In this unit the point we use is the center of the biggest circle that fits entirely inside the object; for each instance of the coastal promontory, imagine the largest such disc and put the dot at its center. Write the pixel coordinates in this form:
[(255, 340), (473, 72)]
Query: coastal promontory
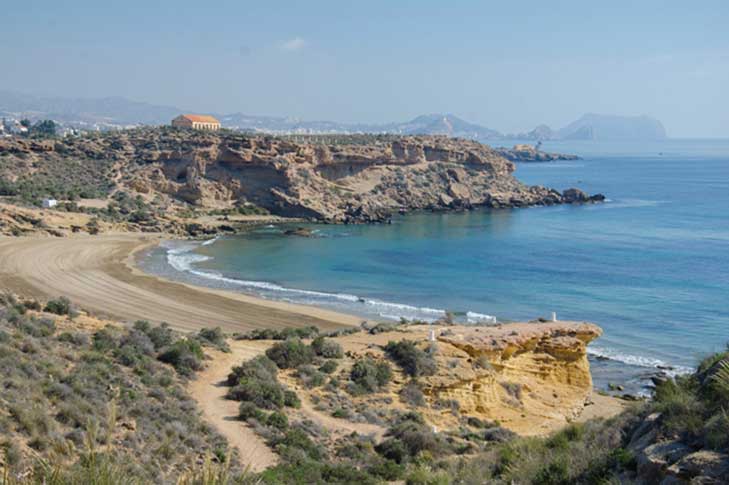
[(167, 172)]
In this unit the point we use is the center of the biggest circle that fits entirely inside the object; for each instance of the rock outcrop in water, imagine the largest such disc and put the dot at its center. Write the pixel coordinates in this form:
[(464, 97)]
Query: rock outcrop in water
[(356, 179), (531, 153)]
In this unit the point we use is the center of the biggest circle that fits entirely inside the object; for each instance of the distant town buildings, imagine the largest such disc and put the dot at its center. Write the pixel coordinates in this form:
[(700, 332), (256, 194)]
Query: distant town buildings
[(197, 122), (11, 126)]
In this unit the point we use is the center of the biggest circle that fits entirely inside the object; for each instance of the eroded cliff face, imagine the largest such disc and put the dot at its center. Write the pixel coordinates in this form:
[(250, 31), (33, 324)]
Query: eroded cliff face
[(339, 183), (350, 181), (532, 378), (529, 377)]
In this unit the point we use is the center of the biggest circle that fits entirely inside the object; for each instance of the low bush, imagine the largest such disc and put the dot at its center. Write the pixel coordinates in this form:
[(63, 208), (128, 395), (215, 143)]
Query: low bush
[(248, 410), (290, 354), (278, 420), (408, 437), (414, 361), (256, 382), (213, 337), (368, 375), (59, 306), (327, 348), (412, 395), (261, 368), (310, 376), (185, 355), (291, 400), (264, 394), (284, 334), (75, 393), (328, 367)]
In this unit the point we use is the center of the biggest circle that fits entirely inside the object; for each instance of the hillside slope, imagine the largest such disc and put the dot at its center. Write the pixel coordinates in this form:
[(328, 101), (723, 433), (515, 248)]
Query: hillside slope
[(342, 180)]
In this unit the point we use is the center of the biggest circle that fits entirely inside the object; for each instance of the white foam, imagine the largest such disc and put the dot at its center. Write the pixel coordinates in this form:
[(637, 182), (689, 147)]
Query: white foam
[(181, 257), (210, 242), (473, 317), (639, 361)]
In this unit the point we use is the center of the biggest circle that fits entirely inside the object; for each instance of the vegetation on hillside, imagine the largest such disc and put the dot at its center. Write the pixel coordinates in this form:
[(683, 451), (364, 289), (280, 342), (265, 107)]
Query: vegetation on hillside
[(81, 406), (107, 406)]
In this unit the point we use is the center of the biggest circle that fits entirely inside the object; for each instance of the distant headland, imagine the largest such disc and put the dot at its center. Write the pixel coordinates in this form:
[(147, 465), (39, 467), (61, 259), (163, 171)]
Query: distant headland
[(117, 113)]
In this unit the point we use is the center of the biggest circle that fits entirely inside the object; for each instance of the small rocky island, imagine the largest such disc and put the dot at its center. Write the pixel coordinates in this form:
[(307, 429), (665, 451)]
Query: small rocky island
[(532, 153)]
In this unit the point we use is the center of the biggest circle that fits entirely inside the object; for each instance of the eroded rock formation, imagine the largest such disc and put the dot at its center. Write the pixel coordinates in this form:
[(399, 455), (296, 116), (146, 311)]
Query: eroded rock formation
[(530, 377), (351, 181)]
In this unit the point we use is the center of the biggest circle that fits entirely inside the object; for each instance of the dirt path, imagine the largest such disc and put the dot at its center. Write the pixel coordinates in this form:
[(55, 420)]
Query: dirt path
[(94, 272), (209, 392)]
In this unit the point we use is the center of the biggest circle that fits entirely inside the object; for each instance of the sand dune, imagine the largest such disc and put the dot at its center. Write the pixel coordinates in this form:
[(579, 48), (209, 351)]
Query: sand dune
[(96, 273)]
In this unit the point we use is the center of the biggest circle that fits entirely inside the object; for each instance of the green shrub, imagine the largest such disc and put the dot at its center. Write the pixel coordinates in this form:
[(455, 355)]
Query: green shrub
[(327, 348), (248, 410), (278, 420), (284, 334), (423, 475), (260, 367), (681, 409), (59, 306), (264, 394), (291, 400), (214, 337), (104, 340), (408, 437), (412, 394), (414, 361), (290, 354), (387, 470), (185, 356), (369, 375), (310, 376), (328, 367), (294, 445), (161, 336), (553, 473), (313, 472)]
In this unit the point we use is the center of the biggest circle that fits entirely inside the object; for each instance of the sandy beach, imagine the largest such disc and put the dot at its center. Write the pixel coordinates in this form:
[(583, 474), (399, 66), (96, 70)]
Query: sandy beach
[(97, 273)]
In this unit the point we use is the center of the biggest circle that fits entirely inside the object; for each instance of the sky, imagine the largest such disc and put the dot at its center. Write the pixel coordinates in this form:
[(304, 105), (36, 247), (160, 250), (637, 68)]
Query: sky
[(505, 65)]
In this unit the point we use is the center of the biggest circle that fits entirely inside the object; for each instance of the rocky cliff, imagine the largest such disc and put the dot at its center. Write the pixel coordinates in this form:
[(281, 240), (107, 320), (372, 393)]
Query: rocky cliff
[(531, 378), (357, 179)]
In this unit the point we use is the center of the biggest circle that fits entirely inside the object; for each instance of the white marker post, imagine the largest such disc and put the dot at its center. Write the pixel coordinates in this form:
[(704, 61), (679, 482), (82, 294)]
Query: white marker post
[(554, 316)]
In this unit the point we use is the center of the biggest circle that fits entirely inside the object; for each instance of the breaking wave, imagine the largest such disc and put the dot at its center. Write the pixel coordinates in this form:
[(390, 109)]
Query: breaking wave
[(181, 257), (637, 360)]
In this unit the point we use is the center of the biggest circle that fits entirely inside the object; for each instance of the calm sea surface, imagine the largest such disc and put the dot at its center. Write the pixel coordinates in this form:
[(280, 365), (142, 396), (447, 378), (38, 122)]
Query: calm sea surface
[(650, 266)]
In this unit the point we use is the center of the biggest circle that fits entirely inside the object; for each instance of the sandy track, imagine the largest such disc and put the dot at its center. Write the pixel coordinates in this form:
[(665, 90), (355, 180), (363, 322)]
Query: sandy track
[(94, 272), (209, 391)]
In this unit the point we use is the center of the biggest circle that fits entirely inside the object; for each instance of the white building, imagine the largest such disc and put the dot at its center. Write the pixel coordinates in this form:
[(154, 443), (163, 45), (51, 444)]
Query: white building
[(48, 203)]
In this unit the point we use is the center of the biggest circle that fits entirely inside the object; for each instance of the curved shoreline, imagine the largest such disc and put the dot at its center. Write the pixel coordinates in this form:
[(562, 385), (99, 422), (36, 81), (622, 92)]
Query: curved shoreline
[(99, 274)]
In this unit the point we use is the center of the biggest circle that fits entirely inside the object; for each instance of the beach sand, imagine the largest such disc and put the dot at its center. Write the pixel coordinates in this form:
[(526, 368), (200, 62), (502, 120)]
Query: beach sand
[(97, 273)]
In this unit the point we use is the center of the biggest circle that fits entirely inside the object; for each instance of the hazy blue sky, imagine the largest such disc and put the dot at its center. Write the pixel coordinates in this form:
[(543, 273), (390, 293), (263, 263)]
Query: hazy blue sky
[(506, 65)]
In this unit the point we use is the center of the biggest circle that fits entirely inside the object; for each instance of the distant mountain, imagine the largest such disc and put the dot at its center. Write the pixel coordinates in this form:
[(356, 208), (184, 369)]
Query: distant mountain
[(120, 112), (593, 126), (432, 124), (444, 124), (110, 111)]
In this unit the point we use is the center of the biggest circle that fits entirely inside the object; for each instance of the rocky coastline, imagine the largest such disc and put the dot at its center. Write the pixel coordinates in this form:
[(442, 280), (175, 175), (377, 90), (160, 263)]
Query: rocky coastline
[(352, 181), (531, 153)]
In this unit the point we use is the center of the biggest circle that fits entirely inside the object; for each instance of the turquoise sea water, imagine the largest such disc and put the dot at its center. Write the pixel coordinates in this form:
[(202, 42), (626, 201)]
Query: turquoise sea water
[(650, 266)]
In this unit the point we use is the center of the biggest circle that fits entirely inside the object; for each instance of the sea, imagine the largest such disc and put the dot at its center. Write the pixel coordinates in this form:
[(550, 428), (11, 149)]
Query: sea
[(650, 265)]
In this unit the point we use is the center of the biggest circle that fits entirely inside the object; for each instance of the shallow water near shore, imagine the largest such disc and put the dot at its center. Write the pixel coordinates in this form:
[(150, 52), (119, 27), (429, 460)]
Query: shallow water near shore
[(650, 266)]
